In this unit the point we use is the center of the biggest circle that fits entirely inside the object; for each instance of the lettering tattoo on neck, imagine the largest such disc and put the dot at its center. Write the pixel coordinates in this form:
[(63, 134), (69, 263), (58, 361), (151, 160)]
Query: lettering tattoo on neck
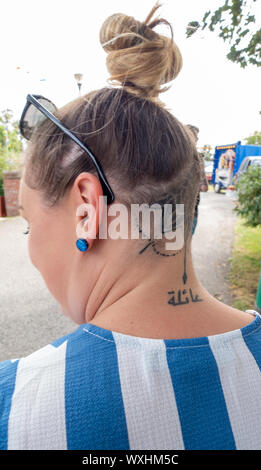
[(176, 298)]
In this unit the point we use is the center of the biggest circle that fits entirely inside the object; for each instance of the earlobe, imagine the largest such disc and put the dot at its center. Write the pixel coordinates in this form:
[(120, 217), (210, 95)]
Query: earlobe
[(82, 244)]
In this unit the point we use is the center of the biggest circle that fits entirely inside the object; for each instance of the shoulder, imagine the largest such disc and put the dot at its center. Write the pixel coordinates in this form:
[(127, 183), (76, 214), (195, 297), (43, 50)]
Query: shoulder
[(36, 362), (19, 376), (32, 388), (15, 373)]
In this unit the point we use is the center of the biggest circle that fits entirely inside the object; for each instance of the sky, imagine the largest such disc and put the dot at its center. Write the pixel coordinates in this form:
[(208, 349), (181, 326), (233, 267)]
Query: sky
[(44, 43)]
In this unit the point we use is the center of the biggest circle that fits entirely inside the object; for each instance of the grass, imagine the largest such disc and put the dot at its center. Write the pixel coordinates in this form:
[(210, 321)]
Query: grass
[(245, 265)]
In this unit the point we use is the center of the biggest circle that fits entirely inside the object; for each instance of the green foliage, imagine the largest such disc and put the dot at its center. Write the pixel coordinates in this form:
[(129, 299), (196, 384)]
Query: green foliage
[(2, 168), (3, 136), (249, 196), (245, 264), (206, 150), (10, 142), (1, 187), (254, 139), (234, 21), (10, 138), (192, 27)]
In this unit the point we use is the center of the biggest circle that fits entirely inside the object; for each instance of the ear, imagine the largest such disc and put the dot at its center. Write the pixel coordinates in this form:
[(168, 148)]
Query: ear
[(87, 192)]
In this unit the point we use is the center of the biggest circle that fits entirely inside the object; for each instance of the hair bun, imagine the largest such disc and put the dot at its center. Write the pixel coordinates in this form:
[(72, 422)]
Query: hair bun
[(138, 58)]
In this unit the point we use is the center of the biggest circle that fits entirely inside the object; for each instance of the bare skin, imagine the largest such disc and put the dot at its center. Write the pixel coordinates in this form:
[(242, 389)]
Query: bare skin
[(114, 285)]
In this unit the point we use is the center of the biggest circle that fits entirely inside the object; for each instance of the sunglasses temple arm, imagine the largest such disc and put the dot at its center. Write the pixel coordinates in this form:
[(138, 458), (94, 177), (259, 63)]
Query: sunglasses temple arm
[(104, 183)]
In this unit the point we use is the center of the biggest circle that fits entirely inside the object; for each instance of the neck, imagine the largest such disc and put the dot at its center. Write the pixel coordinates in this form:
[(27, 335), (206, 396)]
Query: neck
[(150, 289)]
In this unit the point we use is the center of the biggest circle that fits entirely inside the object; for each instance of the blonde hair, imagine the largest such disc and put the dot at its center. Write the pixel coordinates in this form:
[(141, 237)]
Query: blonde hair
[(138, 58)]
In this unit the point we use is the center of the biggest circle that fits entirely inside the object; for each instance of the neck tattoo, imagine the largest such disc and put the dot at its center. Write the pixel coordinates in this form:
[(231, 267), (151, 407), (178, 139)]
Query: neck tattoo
[(185, 277), (176, 297)]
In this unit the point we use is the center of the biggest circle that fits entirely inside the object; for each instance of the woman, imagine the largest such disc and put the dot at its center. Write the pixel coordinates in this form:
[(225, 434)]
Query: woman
[(157, 362)]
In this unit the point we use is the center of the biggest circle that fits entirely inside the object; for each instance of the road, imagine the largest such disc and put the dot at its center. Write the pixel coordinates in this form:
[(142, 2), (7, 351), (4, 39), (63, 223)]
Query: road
[(30, 317), (212, 244)]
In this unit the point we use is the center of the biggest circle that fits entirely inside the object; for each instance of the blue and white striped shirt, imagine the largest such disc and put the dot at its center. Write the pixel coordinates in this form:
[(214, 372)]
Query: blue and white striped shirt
[(99, 389)]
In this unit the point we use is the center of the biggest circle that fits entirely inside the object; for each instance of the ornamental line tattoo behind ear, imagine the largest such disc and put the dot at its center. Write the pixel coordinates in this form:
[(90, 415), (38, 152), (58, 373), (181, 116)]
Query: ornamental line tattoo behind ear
[(152, 243)]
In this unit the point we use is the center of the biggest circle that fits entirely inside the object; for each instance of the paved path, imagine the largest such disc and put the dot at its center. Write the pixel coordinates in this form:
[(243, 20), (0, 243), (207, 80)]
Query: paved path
[(29, 316), (212, 244)]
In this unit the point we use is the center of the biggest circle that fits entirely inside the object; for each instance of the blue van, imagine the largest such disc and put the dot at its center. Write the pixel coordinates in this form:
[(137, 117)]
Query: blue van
[(227, 161)]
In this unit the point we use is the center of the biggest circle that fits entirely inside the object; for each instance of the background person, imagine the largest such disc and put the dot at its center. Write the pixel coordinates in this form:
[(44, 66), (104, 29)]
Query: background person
[(156, 362)]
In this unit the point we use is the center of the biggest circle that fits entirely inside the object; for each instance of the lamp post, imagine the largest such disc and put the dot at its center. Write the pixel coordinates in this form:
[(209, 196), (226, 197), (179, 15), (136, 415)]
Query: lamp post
[(78, 78)]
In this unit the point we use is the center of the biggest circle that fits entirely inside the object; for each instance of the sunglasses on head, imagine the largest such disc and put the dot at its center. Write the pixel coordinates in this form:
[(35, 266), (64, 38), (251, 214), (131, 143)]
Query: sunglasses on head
[(38, 108)]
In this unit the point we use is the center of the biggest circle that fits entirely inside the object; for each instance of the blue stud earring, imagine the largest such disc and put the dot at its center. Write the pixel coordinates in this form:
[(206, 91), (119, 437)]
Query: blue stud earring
[(82, 244)]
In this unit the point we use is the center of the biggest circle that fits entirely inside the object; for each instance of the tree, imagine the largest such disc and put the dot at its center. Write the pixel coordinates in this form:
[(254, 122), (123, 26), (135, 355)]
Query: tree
[(249, 196), (10, 144), (10, 137), (235, 23), (254, 139), (206, 150)]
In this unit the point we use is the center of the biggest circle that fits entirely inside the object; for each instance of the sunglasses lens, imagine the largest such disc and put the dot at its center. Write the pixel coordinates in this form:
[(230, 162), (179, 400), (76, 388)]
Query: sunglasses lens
[(33, 117)]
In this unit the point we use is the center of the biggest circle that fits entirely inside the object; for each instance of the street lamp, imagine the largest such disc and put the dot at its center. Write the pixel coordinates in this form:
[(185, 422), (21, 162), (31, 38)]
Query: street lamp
[(78, 78)]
